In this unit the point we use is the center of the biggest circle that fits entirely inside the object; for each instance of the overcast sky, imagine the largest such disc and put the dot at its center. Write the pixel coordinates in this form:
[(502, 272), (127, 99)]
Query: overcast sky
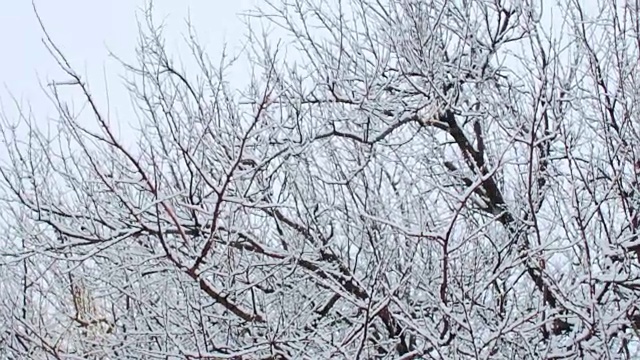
[(86, 31)]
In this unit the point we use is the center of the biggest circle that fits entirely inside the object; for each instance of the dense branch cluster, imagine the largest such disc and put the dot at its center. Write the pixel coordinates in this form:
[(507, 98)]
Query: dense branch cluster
[(402, 179)]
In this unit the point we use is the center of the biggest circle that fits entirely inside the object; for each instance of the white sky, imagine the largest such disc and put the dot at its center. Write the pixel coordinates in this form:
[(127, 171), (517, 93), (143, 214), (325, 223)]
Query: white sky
[(86, 31)]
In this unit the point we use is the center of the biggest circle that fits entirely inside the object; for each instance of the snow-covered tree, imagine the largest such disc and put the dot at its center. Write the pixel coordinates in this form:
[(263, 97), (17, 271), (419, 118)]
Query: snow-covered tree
[(402, 179)]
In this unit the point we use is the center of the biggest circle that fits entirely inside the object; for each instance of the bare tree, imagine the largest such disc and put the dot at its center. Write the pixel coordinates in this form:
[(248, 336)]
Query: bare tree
[(403, 179)]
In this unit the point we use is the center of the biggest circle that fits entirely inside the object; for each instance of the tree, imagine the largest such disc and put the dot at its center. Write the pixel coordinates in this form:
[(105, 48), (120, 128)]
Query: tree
[(401, 180)]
